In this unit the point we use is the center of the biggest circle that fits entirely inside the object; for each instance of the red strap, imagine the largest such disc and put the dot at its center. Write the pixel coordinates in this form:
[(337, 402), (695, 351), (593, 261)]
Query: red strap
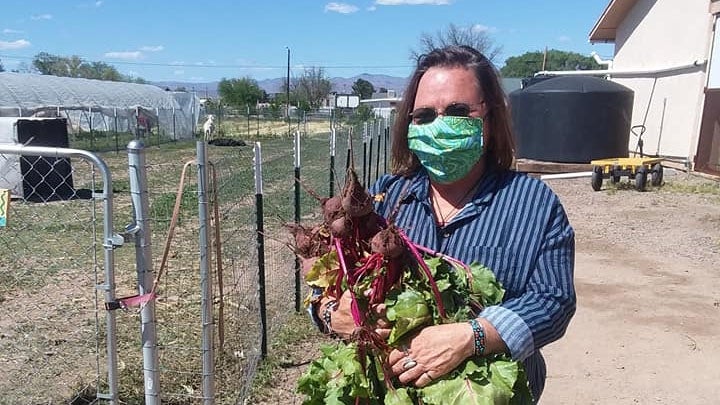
[(132, 301)]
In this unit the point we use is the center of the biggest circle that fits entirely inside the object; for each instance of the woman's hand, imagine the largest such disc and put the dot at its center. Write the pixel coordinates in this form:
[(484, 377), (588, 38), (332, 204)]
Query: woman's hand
[(432, 353), (342, 322)]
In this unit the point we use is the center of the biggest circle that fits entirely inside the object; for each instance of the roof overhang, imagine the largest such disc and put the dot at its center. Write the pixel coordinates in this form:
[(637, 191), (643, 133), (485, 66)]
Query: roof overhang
[(615, 12)]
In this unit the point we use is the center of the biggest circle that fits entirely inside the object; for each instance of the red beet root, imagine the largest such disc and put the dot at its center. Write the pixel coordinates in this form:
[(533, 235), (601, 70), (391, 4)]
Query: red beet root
[(355, 199), (388, 243)]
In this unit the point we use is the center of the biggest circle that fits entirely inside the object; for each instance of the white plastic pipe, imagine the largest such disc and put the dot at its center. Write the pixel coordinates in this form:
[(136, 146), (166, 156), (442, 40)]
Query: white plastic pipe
[(627, 72), (601, 61), (573, 175)]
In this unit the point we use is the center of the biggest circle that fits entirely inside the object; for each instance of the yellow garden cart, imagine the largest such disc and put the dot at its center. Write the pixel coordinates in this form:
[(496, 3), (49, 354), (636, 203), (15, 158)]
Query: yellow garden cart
[(636, 168)]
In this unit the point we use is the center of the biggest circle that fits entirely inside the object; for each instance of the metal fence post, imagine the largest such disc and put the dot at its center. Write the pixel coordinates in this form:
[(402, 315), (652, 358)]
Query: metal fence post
[(331, 191), (143, 259), (297, 217), (206, 301), (257, 165), (365, 170)]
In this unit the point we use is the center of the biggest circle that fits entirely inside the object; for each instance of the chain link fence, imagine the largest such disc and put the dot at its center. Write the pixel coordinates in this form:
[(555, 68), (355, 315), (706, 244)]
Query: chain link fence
[(56, 341), (51, 265)]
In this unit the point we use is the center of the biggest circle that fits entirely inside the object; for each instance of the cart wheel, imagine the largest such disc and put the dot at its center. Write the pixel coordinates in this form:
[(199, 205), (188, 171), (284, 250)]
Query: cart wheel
[(656, 177), (640, 178), (614, 174), (597, 178)]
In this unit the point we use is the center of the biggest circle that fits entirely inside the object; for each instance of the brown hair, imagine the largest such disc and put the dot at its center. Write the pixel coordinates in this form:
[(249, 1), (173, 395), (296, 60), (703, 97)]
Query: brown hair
[(500, 144)]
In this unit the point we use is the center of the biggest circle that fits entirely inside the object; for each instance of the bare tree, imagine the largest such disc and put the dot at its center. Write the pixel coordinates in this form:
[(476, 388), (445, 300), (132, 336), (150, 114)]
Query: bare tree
[(453, 35), (310, 89)]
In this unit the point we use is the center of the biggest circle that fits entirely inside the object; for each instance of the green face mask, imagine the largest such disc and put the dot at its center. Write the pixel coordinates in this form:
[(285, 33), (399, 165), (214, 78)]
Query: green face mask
[(447, 147)]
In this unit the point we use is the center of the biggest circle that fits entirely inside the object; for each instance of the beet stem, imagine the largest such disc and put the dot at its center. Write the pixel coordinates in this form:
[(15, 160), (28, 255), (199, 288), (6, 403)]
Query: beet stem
[(354, 310), (442, 256), (448, 259), (428, 274)]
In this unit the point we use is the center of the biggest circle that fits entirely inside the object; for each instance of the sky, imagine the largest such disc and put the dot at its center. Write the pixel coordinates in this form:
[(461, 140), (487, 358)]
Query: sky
[(163, 40)]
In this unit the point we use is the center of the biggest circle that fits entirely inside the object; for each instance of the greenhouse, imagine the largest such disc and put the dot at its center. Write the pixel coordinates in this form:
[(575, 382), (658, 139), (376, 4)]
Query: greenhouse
[(97, 110)]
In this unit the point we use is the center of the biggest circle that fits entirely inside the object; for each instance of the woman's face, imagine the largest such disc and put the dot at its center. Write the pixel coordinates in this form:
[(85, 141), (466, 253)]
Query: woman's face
[(443, 86)]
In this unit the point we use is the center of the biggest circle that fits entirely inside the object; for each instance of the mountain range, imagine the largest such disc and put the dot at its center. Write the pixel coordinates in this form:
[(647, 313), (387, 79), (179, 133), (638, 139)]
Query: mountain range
[(340, 85)]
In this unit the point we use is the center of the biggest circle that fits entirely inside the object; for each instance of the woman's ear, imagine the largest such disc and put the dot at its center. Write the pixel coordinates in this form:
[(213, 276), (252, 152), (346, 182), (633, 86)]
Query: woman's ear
[(483, 109)]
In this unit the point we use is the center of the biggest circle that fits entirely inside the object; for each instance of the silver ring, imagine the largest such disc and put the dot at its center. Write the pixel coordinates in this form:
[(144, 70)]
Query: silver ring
[(409, 363)]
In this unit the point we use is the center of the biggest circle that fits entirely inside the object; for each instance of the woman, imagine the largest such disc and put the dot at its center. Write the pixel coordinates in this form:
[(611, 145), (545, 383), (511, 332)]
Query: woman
[(452, 190)]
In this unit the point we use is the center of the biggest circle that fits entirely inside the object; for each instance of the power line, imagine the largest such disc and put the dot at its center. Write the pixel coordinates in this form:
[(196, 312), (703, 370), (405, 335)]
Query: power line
[(229, 66)]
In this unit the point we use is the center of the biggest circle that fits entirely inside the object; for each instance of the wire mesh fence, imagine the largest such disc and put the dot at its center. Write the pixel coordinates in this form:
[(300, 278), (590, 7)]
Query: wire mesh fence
[(51, 264), (51, 271)]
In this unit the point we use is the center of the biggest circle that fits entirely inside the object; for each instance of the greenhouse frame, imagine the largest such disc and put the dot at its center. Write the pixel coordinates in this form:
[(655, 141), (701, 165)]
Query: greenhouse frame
[(93, 107)]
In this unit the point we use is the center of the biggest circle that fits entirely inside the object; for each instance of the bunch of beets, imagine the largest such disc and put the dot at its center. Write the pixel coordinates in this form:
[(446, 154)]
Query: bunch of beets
[(356, 250)]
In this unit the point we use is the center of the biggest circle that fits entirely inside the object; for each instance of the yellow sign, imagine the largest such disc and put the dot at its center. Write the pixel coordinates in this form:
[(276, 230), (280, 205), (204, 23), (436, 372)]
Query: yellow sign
[(4, 205)]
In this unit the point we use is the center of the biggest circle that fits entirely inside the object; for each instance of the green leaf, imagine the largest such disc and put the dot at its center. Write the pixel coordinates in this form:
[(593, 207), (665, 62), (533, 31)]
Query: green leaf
[(408, 311), (485, 288), (399, 396), (324, 271)]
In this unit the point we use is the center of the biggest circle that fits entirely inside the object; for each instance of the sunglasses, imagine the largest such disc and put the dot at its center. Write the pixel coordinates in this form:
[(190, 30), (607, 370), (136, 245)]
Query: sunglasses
[(426, 115)]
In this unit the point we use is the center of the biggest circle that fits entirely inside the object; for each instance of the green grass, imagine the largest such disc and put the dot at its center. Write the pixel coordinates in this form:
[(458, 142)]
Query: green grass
[(297, 329), (65, 230), (705, 187), (163, 205)]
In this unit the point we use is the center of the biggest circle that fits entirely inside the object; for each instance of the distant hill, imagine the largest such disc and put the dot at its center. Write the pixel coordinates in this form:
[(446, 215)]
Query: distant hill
[(271, 86)]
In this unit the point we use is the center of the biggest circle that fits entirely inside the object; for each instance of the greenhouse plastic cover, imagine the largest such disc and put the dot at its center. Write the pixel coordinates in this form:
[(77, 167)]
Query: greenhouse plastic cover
[(33, 91)]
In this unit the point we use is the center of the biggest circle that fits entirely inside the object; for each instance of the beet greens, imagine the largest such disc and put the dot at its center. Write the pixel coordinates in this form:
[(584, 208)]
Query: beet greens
[(356, 250)]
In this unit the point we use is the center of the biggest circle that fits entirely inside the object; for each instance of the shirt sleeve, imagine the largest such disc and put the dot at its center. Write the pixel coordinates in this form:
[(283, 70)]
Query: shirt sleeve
[(542, 313)]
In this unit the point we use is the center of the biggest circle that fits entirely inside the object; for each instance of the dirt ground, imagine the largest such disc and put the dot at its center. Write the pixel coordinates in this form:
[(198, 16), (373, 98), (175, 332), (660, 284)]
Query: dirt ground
[(647, 274)]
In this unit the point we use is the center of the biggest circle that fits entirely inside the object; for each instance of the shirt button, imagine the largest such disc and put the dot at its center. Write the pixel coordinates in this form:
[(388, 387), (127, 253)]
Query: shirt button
[(446, 234)]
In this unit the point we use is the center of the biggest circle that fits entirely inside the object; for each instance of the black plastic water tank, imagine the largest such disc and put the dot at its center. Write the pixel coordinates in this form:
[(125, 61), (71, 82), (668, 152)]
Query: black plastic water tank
[(572, 119)]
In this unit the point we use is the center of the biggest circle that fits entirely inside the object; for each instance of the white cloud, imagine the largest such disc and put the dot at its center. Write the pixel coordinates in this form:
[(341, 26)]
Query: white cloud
[(412, 2), (341, 8), (92, 4), (11, 31), (179, 72), (482, 28), (205, 63), (42, 17), (19, 44), (152, 48), (124, 55), (177, 63), (564, 38)]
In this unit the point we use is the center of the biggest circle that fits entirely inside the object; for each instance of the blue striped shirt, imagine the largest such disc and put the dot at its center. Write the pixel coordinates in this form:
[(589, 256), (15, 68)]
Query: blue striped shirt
[(516, 226)]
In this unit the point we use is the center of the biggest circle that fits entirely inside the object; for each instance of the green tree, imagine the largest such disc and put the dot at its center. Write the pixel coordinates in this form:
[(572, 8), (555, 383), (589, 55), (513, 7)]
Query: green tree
[(311, 89), (363, 88), (75, 66), (47, 64), (453, 35), (362, 114), (529, 63), (274, 109), (240, 92)]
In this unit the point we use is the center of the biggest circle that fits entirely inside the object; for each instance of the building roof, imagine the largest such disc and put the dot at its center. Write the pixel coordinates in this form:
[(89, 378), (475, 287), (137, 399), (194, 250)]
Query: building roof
[(615, 12), (32, 91)]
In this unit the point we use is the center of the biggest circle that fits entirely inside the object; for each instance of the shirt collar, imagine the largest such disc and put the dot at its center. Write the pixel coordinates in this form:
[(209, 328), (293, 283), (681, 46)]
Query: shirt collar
[(419, 187)]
